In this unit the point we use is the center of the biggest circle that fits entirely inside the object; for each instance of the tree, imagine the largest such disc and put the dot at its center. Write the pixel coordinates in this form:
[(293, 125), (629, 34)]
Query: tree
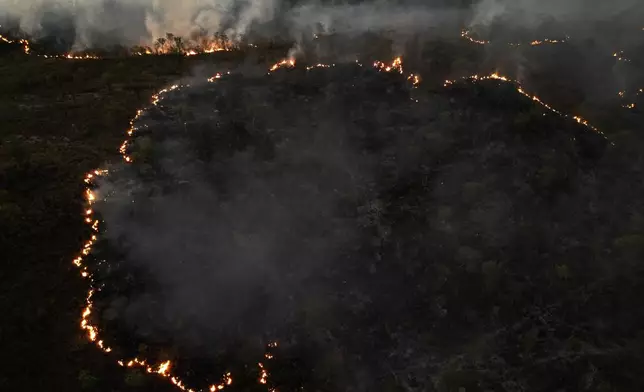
[(159, 44), (178, 44)]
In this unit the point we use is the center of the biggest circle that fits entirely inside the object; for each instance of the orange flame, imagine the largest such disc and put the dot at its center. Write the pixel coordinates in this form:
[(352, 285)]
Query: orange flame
[(286, 63)]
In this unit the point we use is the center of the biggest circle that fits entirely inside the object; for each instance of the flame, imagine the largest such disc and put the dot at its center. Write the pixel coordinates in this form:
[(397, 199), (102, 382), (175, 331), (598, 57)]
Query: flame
[(546, 41), (25, 43), (263, 374), (286, 63), (630, 105), (91, 330), (466, 34), (520, 89), (619, 55), (319, 65), (199, 45), (216, 76), (396, 65), (415, 79), (71, 56)]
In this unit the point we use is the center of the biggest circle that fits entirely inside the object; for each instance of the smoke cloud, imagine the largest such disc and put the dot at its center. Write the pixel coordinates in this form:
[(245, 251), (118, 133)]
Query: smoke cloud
[(101, 22), (132, 22)]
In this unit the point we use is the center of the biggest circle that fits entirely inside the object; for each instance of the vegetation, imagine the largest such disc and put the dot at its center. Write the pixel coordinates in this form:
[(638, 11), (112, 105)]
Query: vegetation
[(61, 119), (525, 272), (490, 243), (199, 42)]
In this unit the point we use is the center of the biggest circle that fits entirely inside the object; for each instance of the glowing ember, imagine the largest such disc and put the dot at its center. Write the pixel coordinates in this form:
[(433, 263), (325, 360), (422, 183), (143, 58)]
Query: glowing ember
[(466, 34), (546, 41), (620, 56), (395, 65), (263, 374), (218, 75), (319, 65)]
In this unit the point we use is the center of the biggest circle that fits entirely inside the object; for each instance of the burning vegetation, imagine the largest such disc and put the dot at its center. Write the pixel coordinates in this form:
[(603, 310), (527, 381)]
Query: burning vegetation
[(391, 84), (198, 43), (397, 175)]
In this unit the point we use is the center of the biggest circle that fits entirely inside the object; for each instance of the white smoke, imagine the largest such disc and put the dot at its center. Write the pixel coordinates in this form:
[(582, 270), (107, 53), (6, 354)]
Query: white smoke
[(133, 22), (138, 21)]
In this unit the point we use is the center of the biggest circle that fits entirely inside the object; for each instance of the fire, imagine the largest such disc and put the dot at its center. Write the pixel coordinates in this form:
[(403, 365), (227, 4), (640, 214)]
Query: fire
[(396, 65), (218, 75), (415, 79), (71, 56), (25, 43), (620, 56), (630, 105), (319, 65), (228, 380), (201, 43), (286, 63), (520, 89), (170, 44), (164, 369), (27, 50), (466, 34), (546, 41), (91, 330), (263, 374)]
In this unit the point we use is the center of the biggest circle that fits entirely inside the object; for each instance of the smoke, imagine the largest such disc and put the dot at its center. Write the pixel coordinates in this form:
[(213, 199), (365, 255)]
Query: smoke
[(245, 214), (593, 31), (104, 22), (577, 18), (328, 210), (132, 22)]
